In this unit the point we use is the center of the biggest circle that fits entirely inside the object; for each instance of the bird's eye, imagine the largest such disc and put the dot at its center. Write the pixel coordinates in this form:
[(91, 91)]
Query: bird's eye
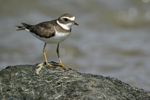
[(66, 19)]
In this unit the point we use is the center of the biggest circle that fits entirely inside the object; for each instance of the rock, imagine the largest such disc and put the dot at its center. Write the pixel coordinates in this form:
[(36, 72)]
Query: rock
[(32, 82)]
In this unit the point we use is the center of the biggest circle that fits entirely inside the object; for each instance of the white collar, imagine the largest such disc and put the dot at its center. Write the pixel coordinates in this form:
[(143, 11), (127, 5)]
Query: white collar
[(66, 26)]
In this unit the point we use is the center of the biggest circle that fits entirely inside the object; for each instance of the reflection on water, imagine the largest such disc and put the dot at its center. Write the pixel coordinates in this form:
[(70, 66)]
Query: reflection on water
[(112, 39)]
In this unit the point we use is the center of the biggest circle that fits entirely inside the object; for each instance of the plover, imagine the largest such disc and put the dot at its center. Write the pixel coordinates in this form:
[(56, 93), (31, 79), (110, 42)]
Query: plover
[(53, 32)]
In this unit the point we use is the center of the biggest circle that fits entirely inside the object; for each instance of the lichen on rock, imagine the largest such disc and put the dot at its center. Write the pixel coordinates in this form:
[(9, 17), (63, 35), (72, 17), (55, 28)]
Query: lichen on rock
[(33, 82)]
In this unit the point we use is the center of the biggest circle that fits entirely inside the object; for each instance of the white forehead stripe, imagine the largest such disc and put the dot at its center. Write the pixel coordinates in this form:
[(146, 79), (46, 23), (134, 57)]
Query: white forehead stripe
[(70, 18)]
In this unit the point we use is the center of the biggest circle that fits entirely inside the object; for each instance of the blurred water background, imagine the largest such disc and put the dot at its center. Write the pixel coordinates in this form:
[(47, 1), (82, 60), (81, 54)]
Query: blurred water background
[(112, 39)]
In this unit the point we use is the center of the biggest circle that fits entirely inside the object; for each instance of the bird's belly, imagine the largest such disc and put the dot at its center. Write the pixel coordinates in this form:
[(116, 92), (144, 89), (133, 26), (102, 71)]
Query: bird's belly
[(58, 38)]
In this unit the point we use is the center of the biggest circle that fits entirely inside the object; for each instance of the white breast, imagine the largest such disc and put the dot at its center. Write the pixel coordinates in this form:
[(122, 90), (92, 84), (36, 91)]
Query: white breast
[(58, 38)]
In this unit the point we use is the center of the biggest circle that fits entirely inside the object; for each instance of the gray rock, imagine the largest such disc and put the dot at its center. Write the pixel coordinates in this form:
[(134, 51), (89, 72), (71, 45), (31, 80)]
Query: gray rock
[(32, 82)]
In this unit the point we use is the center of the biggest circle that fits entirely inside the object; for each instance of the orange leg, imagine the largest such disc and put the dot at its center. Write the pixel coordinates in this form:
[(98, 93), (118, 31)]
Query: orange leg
[(48, 64), (60, 63)]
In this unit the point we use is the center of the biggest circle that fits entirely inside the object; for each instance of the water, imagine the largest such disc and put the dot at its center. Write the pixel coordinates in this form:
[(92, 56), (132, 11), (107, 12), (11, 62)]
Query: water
[(112, 39)]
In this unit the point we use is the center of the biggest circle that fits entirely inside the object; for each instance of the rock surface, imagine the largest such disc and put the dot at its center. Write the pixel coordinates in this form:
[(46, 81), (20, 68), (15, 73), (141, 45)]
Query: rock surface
[(32, 82)]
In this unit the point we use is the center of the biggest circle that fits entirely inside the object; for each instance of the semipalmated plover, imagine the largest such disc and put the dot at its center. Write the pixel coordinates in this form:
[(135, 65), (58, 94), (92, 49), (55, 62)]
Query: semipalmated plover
[(53, 32)]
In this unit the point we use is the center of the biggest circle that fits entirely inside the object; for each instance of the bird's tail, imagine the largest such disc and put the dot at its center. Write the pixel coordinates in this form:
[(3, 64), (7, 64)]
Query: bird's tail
[(25, 26), (20, 28)]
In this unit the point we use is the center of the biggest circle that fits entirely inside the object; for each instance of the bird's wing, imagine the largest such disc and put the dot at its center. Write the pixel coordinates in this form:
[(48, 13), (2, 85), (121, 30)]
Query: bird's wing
[(44, 29)]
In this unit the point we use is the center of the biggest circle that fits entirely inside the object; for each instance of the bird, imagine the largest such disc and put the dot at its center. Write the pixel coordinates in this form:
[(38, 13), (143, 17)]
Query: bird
[(53, 32)]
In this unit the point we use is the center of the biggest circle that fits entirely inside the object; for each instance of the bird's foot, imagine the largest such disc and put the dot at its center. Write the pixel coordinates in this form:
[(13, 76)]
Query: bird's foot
[(47, 64), (60, 64)]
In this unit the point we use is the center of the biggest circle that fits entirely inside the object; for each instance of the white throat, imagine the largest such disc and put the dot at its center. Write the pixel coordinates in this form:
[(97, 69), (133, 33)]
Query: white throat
[(65, 26)]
